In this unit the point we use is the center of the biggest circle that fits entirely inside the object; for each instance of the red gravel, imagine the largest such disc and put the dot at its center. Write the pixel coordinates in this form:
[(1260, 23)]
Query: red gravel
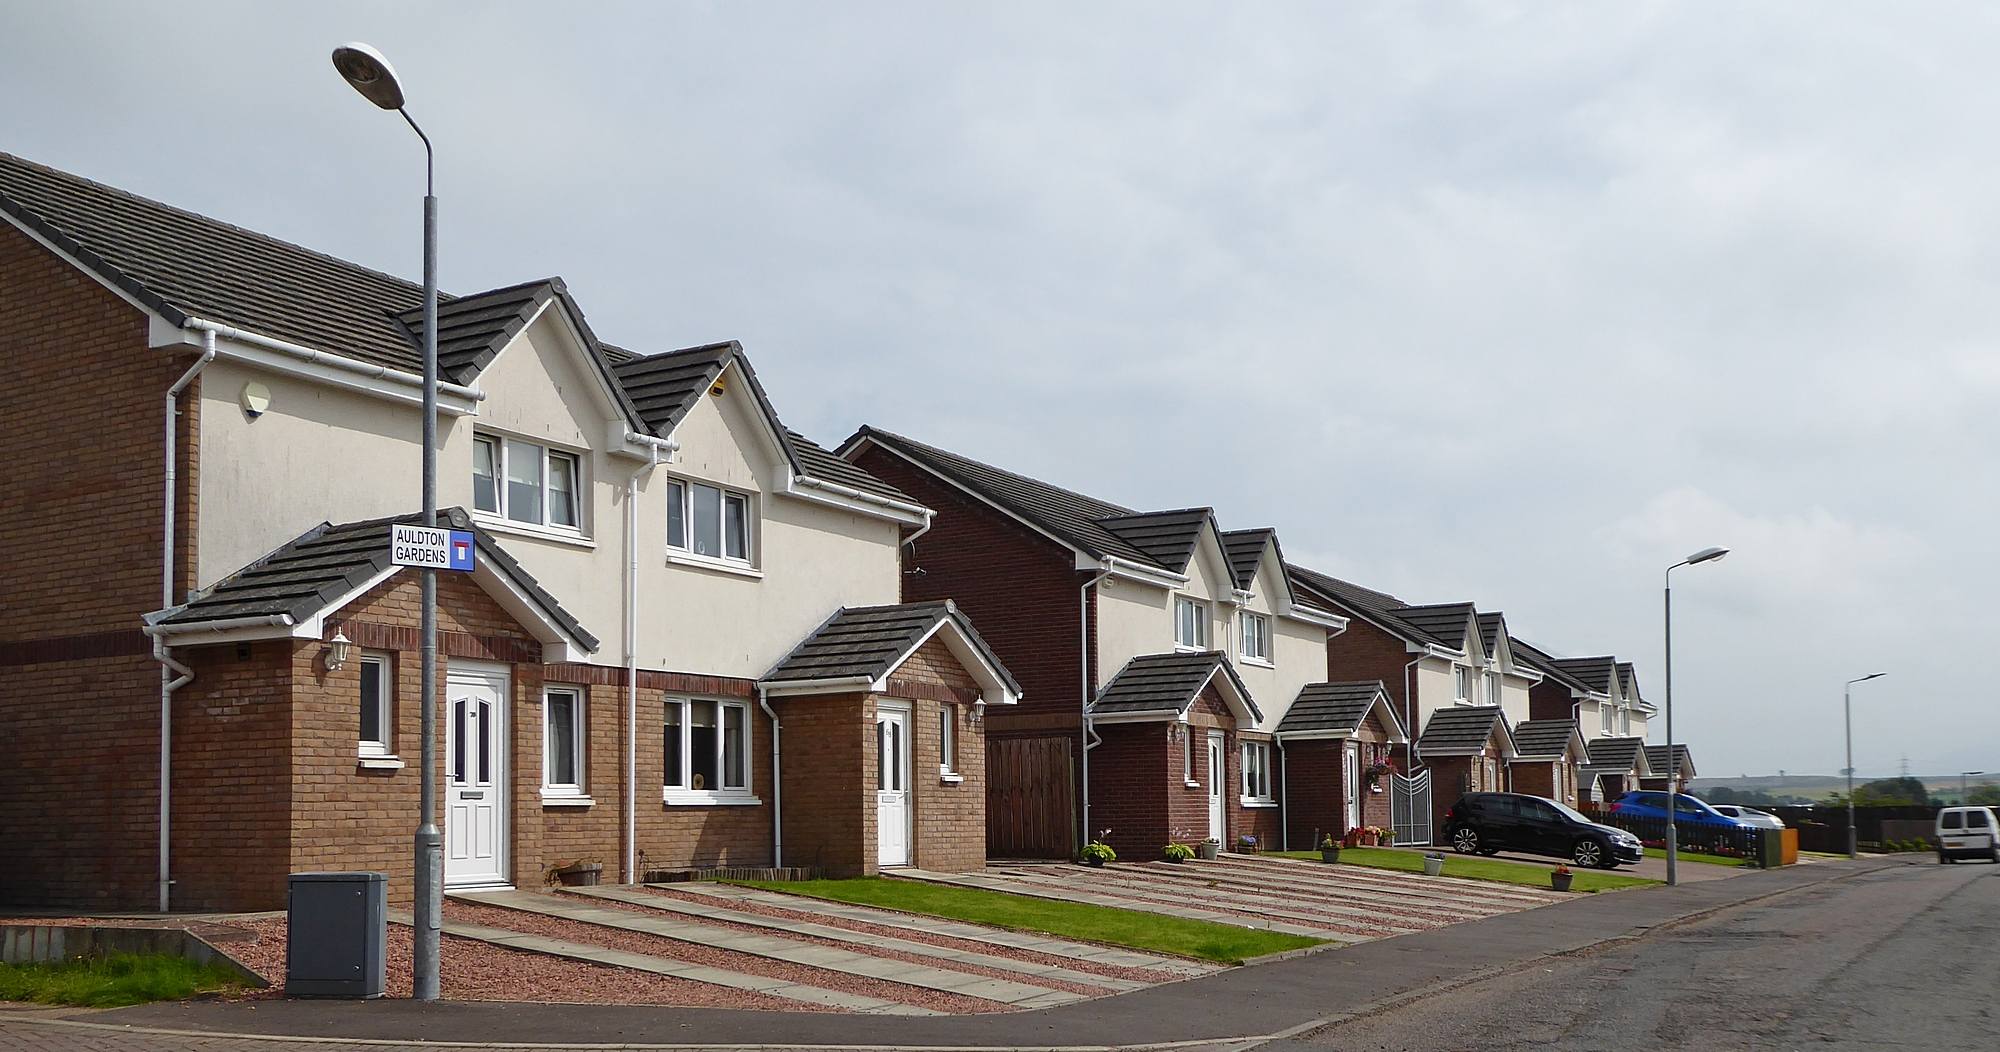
[(470, 970), (964, 967), (696, 953), (1111, 971)]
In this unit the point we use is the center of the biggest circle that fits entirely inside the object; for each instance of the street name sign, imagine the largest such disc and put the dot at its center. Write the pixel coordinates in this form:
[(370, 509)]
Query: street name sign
[(431, 547)]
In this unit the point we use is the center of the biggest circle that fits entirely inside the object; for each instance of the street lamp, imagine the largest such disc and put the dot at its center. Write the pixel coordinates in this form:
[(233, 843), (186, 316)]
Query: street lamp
[(369, 73), (1962, 776), (1706, 555), (1847, 709)]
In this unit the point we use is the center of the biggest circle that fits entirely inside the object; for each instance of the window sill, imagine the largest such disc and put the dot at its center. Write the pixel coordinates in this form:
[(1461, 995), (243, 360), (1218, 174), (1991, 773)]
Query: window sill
[(950, 778), (552, 798), (1258, 662), (1191, 784), (382, 762), (702, 562), (1252, 801), (704, 798), (500, 524)]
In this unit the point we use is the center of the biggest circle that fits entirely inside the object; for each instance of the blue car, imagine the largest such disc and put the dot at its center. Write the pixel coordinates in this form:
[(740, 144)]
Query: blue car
[(1688, 811)]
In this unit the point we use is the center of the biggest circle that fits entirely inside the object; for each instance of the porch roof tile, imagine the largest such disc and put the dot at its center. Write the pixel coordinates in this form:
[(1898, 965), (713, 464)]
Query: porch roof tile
[(1166, 683), (869, 641)]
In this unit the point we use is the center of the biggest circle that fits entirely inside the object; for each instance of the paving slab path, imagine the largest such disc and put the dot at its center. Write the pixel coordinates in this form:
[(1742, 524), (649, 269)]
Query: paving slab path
[(690, 908), (1445, 883), (1019, 940), (1035, 889), (1414, 891), (792, 951), (1242, 902), (700, 973)]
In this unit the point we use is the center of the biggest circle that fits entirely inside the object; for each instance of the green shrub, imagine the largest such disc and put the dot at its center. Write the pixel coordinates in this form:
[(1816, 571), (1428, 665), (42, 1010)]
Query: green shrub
[(1177, 852)]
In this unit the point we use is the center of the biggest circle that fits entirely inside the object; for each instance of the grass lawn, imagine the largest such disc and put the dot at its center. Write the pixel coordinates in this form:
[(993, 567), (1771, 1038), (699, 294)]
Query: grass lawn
[(1474, 868), (1139, 930), (1698, 856), (122, 979)]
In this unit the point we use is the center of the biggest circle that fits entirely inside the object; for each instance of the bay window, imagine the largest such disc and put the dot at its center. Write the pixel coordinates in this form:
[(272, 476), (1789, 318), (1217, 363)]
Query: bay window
[(706, 751), (708, 521), (525, 483)]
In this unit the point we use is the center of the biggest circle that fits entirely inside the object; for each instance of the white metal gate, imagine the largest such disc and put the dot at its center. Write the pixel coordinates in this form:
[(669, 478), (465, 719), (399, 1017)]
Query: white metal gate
[(1410, 807)]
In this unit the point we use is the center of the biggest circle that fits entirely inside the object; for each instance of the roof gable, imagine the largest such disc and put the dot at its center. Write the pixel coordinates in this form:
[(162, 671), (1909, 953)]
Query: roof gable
[(1465, 730), (1165, 686), (1621, 753), (1547, 739), (1168, 538), (1534, 657), (1657, 758), (1337, 710), (860, 647), (1453, 624)]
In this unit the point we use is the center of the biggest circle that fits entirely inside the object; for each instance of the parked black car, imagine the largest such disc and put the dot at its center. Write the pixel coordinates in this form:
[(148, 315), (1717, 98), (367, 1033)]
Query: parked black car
[(1487, 823)]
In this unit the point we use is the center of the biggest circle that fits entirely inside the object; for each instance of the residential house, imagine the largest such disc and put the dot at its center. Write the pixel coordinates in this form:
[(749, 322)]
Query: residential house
[(1614, 767), (1657, 760), (1158, 654), (1468, 749), (1548, 755), (209, 664)]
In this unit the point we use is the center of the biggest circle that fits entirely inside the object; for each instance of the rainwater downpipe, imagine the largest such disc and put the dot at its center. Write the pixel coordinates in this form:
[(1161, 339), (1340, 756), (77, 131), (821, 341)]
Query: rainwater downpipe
[(777, 784), (1409, 712), (1083, 684), (173, 674), (1284, 796), (654, 448)]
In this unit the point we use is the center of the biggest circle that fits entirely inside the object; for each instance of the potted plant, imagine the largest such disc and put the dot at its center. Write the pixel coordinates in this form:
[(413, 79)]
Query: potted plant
[(1329, 849), (575, 873), (1177, 852), (1246, 844), (1560, 877), (1375, 772), (1208, 849), (1351, 836), (1433, 864), (1097, 853)]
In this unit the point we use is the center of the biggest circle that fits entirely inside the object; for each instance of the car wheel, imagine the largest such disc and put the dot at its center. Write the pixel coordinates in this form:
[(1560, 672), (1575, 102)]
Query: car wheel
[(1589, 852), (1996, 855), (1465, 840), (1941, 857)]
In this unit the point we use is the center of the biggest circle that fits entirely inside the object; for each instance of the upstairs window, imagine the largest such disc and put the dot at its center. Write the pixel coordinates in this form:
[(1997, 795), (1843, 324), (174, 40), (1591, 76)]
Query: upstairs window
[(1256, 631), (1605, 716), (708, 521), (1461, 682), (1624, 721), (524, 482), (1190, 623), (1493, 688)]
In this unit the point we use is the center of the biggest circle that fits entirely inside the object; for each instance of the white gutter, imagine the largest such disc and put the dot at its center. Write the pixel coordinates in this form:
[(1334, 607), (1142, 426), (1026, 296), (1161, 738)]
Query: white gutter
[(1083, 684), (173, 674), (862, 495), (220, 625), (211, 329), (654, 447), (777, 784)]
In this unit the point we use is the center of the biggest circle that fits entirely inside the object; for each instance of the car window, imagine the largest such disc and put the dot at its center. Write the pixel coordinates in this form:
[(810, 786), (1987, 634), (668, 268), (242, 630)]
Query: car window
[(1570, 812), (1501, 807), (1688, 807), (1726, 809), (1954, 819), (1975, 820)]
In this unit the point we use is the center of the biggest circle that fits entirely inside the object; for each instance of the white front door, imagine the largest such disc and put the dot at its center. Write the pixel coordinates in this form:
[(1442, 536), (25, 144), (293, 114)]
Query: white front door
[(475, 767), (1218, 773), (1350, 780), (892, 786)]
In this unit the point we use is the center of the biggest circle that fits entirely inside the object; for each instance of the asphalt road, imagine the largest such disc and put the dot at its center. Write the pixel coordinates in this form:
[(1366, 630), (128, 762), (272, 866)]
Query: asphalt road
[(1907, 957)]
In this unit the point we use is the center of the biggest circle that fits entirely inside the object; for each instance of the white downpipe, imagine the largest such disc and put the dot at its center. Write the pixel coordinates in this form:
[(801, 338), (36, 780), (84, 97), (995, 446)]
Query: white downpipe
[(210, 329), (1284, 796), (654, 447), (173, 674), (1083, 685), (1409, 713), (777, 784)]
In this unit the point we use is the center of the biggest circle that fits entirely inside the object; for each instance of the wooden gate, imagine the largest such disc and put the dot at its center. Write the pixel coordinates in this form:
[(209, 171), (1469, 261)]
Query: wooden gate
[(1030, 798)]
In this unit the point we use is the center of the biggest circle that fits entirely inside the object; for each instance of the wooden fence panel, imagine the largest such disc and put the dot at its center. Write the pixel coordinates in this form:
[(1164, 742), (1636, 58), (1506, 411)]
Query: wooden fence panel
[(1030, 798)]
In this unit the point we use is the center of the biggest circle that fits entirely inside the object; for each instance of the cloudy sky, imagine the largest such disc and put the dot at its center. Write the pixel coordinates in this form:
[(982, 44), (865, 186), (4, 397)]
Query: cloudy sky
[(1515, 304)]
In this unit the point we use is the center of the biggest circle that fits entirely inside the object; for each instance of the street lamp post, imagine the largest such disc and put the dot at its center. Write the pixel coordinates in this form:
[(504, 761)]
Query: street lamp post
[(1962, 776), (369, 73), (1847, 711), (1706, 555)]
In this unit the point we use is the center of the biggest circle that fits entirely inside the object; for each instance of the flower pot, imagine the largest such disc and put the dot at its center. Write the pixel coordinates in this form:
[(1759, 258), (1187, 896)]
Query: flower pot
[(1433, 866), (1329, 854), (1208, 849), (584, 876), (1560, 881), (1093, 860)]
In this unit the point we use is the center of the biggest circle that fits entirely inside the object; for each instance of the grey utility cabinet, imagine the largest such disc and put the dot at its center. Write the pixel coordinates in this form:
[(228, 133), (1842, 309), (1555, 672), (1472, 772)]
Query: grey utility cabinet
[(334, 939)]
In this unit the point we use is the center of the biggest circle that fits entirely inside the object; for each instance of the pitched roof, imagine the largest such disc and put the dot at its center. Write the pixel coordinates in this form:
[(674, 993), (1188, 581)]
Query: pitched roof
[(1491, 627), (869, 641), (1245, 551), (1461, 729), (1536, 658), (305, 575), (1381, 608), (1538, 738), (1656, 759), (1337, 708), (1594, 672), (1628, 681), (1167, 537), (1620, 753), (472, 330), (1449, 622), (1166, 684)]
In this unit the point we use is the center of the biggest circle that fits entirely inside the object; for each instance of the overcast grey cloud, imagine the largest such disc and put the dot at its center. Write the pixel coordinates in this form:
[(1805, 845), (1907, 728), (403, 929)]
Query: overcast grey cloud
[(1511, 303)]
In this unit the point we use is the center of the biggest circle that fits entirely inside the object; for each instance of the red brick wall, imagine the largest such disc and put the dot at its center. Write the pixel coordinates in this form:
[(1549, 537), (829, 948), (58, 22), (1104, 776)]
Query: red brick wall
[(950, 820), (1136, 789), (78, 692), (828, 776), (233, 794), (1364, 653), (1312, 779), (1549, 700)]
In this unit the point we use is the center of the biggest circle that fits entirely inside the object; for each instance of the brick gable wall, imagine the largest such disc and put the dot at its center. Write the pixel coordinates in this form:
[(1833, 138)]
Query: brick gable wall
[(1365, 652), (1549, 700)]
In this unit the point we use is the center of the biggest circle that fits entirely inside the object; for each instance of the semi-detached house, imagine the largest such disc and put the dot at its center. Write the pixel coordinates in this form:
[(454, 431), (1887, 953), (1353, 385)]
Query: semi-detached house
[(1175, 680), (683, 645)]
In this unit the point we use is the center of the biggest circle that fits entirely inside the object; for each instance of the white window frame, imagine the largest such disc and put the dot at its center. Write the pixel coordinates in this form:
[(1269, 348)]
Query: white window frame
[(1253, 771), (1262, 634), (1624, 721), (1605, 718), (948, 744), (1461, 683), (552, 790), (502, 446), (683, 793), (1199, 622), (685, 488), (1187, 758), (377, 664), (1493, 690)]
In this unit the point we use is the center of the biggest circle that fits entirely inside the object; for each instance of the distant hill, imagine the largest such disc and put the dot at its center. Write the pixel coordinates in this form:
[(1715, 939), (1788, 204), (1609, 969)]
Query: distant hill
[(1818, 786)]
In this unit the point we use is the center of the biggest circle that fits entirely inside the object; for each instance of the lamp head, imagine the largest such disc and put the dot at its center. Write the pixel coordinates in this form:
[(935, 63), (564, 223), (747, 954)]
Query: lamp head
[(1871, 675), (1707, 555), (369, 73)]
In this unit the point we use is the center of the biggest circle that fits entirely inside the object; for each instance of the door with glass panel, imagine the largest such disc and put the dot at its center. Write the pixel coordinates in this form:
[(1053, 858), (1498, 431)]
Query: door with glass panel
[(892, 786), (475, 796), (1217, 775)]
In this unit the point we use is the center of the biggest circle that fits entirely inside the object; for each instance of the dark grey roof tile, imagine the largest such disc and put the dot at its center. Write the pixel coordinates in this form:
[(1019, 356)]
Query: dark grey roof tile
[(1621, 753), (1543, 738), (1166, 684), (865, 643), (1335, 707), (1460, 729)]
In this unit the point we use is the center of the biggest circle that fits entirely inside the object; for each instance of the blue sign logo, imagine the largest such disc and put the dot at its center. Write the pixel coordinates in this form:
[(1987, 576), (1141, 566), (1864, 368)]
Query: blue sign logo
[(461, 550)]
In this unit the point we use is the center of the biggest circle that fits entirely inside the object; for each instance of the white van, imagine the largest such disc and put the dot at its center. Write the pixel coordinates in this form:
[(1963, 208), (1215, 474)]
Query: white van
[(1968, 832)]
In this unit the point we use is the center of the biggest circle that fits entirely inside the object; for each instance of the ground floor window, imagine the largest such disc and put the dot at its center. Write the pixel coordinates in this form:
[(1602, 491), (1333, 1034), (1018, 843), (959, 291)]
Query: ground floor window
[(1257, 772), (706, 747), (947, 740), (376, 693), (562, 742)]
